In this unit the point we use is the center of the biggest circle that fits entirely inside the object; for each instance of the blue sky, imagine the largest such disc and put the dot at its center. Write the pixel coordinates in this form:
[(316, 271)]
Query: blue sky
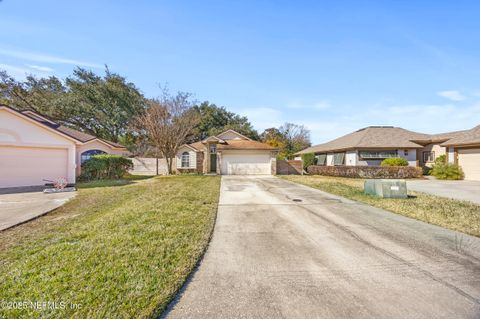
[(334, 66)]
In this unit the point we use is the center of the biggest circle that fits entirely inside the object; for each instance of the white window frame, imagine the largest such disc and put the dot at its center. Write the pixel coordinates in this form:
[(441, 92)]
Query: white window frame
[(378, 154), (185, 160), (429, 154)]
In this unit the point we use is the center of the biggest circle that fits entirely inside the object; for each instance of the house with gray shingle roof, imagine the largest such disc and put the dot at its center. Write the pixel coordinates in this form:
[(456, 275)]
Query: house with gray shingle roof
[(371, 145)]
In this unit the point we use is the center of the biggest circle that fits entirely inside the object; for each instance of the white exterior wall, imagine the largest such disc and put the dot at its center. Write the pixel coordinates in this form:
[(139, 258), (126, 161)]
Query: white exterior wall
[(193, 158), (17, 131), (330, 159), (411, 157), (351, 158), (451, 154)]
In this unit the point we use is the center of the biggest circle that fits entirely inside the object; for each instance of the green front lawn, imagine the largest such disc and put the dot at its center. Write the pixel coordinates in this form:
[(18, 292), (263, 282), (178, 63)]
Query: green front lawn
[(458, 215), (120, 249)]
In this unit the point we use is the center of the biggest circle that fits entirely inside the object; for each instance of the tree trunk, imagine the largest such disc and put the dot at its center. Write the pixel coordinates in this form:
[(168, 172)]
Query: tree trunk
[(169, 164)]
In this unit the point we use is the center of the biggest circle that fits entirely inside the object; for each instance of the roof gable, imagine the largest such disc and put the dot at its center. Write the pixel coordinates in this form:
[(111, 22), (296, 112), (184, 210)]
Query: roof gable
[(232, 135), (37, 123), (64, 131), (468, 137)]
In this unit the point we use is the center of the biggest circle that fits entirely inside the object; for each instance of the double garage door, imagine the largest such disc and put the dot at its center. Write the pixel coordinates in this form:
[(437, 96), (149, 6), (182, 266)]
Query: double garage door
[(28, 166), (469, 160), (246, 163)]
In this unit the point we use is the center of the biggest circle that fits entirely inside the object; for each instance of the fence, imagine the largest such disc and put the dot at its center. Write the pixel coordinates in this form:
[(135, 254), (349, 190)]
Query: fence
[(291, 167), (148, 166)]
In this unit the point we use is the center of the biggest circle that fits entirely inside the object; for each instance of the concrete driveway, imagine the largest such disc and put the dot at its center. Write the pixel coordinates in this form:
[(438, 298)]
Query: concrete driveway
[(282, 250), (463, 190), (22, 204)]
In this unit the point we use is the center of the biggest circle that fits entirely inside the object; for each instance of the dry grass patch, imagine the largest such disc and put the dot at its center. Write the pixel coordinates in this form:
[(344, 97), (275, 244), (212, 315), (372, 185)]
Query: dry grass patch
[(119, 249), (458, 215)]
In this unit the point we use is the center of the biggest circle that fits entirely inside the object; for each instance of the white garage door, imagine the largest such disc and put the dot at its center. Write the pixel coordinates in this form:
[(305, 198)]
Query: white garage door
[(28, 166), (246, 164), (469, 160)]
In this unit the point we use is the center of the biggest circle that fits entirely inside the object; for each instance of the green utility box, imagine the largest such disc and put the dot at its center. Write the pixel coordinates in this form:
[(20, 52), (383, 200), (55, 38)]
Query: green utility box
[(386, 188)]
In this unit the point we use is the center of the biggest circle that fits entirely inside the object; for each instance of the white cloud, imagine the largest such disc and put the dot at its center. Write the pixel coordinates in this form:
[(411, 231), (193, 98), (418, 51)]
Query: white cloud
[(452, 95), (45, 58), (40, 68)]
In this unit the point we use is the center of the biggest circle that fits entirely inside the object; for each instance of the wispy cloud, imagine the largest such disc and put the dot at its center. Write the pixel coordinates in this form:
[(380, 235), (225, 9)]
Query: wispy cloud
[(21, 72), (15, 71), (45, 58), (40, 68), (452, 95)]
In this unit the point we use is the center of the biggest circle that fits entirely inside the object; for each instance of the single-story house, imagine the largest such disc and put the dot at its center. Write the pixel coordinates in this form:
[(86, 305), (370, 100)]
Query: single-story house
[(371, 145), (34, 149), (464, 149), (229, 153)]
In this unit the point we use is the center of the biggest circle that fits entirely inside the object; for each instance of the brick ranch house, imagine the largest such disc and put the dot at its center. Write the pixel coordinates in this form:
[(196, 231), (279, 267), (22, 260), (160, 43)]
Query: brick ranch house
[(371, 145), (228, 153), (34, 148)]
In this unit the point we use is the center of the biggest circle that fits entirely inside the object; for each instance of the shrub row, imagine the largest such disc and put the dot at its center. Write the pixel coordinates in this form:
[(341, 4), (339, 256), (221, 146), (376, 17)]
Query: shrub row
[(367, 171), (105, 166), (394, 161)]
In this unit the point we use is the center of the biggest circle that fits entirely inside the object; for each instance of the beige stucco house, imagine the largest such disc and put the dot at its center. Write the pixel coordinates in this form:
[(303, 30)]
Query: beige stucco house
[(464, 149), (371, 145), (34, 149), (229, 153)]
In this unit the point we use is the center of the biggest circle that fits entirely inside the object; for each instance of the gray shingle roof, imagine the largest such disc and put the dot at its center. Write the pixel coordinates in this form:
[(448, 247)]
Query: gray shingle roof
[(468, 137), (376, 137), (371, 137)]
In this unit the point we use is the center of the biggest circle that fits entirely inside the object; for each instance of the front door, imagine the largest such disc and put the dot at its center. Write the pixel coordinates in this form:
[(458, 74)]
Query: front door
[(213, 158)]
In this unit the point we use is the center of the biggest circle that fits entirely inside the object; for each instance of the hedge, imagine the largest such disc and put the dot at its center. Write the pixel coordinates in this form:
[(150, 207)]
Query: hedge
[(308, 159), (367, 171), (394, 161), (105, 166)]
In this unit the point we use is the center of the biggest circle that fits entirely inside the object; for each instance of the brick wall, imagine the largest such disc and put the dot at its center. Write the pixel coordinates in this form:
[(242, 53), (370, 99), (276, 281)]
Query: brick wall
[(199, 168), (200, 162), (291, 167), (367, 171)]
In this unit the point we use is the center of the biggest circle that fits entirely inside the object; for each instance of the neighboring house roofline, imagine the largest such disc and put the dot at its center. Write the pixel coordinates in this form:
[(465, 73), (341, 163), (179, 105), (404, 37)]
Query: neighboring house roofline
[(106, 142), (40, 124), (59, 129)]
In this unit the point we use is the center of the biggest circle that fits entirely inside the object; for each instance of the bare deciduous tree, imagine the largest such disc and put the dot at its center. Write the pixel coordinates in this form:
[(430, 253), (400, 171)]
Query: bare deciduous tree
[(297, 137), (167, 122)]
